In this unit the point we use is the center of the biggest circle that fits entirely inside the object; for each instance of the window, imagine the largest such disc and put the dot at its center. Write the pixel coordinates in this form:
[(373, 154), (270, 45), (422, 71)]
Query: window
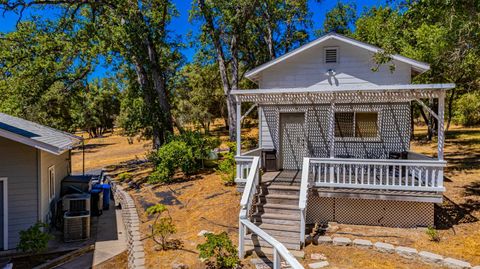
[(331, 55), (51, 182), (356, 124)]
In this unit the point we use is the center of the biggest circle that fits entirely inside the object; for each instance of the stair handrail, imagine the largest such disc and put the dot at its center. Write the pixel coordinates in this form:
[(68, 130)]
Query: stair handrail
[(302, 201), (279, 250), (253, 180), (251, 184)]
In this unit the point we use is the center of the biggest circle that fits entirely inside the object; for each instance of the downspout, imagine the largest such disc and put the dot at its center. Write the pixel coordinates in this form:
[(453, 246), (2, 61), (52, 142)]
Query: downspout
[(39, 184)]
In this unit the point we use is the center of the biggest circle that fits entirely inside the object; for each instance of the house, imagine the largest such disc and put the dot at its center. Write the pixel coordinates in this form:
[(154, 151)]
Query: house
[(334, 137), (33, 161)]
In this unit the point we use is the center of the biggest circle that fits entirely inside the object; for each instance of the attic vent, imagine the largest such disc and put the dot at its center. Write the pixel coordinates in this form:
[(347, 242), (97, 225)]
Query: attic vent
[(331, 55)]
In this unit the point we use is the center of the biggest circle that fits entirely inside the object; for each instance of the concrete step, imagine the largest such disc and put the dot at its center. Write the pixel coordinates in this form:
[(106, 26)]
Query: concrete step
[(255, 241), (283, 199), (280, 227)]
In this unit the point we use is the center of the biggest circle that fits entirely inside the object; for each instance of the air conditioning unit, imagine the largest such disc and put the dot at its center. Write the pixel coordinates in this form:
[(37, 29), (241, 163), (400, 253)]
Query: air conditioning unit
[(76, 226), (78, 202)]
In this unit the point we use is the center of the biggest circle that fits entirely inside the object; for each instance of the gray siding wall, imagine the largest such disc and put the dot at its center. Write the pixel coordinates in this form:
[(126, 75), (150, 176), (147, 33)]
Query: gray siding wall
[(18, 163), (61, 163), (354, 67), (394, 126)]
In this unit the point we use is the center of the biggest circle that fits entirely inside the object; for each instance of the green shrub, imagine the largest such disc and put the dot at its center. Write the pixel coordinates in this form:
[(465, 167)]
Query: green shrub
[(162, 230), (227, 166), (219, 251), (125, 177), (467, 109), (183, 152), (433, 234), (34, 239)]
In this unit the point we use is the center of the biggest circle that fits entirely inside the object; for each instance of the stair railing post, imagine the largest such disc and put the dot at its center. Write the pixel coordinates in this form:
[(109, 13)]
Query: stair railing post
[(276, 260), (241, 240)]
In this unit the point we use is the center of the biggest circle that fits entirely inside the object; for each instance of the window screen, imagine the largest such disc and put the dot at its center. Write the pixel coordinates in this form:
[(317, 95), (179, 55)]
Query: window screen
[(356, 124), (344, 124), (366, 124)]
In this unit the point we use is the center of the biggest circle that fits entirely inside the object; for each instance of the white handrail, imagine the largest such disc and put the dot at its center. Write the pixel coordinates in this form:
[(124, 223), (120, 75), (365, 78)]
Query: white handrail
[(302, 201), (279, 248), (435, 163), (250, 182)]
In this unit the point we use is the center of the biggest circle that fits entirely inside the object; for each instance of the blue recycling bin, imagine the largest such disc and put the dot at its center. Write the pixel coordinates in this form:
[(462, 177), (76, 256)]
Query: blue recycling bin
[(105, 189)]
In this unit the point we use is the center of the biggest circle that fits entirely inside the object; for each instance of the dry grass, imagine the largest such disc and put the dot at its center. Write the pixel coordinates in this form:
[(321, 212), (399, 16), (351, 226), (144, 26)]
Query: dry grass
[(109, 150), (203, 203)]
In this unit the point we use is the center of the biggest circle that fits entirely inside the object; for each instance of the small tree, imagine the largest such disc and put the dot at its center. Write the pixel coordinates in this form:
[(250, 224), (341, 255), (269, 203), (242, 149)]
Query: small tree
[(219, 251), (162, 227), (34, 239)]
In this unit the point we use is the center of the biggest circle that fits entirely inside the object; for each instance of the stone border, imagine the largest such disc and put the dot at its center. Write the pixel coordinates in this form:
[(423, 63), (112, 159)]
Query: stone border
[(136, 253), (405, 252)]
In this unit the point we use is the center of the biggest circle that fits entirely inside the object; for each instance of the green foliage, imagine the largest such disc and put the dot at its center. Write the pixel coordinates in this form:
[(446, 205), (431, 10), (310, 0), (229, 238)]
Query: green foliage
[(433, 234), (34, 239), (164, 229), (467, 110), (219, 251), (184, 152), (340, 19), (125, 177), (156, 209), (226, 167)]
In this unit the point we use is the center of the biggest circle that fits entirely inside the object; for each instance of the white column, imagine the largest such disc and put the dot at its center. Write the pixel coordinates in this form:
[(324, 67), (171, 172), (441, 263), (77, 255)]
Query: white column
[(238, 125), (441, 124), (241, 240), (331, 128)]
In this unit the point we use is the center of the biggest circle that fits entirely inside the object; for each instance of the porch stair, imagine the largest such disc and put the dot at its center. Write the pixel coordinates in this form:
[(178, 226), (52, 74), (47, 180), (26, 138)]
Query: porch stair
[(276, 212)]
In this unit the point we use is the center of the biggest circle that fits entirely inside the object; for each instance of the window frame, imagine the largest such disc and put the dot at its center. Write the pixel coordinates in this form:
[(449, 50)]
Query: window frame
[(51, 183), (376, 138)]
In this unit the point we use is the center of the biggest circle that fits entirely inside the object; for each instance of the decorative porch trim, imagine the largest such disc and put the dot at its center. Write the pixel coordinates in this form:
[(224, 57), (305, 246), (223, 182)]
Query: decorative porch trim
[(427, 108)]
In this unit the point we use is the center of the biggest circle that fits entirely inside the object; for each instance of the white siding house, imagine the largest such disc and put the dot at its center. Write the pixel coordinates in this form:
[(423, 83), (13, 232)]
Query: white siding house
[(33, 161), (341, 136)]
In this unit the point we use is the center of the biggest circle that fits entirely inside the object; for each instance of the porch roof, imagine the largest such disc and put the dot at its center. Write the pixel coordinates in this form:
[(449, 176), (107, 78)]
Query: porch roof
[(342, 94)]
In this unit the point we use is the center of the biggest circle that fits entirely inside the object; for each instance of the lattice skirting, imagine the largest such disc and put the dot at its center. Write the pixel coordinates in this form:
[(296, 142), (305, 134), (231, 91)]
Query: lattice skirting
[(369, 212)]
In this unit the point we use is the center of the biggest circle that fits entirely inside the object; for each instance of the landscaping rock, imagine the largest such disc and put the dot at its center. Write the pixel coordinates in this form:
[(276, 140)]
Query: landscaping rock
[(342, 241), (456, 264), (318, 265), (324, 240), (407, 252), (318, 256), (362, 243), (430, 257), (384, 247), (203, 233), (476, 267)]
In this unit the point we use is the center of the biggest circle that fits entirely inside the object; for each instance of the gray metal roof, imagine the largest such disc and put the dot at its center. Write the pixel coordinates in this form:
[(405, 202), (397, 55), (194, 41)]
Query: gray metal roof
[(36, 135)]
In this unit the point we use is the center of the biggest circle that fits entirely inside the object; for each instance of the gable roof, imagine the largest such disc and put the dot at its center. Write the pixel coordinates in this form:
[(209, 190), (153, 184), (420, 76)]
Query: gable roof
[(416, 65), (36, 135)]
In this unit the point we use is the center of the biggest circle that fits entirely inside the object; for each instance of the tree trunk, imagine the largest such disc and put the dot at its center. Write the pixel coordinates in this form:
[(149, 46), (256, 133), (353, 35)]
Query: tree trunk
[(450, 109)]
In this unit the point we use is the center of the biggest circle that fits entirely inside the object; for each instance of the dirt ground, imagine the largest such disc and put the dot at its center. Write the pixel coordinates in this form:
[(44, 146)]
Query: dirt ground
[(204, 203)]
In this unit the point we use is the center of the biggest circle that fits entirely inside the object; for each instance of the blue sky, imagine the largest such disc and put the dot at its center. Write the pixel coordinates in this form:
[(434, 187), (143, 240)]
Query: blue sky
[(181, 26)]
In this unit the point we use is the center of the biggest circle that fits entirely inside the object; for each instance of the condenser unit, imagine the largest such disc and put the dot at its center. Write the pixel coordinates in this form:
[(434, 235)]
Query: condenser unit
[(76, 202), (76, 226)]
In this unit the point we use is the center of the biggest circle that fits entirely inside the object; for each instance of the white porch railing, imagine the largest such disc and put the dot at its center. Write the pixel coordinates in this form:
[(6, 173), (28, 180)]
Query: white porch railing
[(279, 250), (384, 174), (244, 163)]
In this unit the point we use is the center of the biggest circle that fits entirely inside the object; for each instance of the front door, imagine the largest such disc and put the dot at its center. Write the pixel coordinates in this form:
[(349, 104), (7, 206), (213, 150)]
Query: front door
[(292, 140)]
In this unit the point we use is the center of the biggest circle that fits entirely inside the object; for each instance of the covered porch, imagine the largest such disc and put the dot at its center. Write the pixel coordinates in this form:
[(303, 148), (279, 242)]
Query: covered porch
[(401, 175)]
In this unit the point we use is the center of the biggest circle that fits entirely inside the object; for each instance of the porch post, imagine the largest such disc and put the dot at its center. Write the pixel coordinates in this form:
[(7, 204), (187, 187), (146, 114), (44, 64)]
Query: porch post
[(238, 125), (331, 128), (441, 123)]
